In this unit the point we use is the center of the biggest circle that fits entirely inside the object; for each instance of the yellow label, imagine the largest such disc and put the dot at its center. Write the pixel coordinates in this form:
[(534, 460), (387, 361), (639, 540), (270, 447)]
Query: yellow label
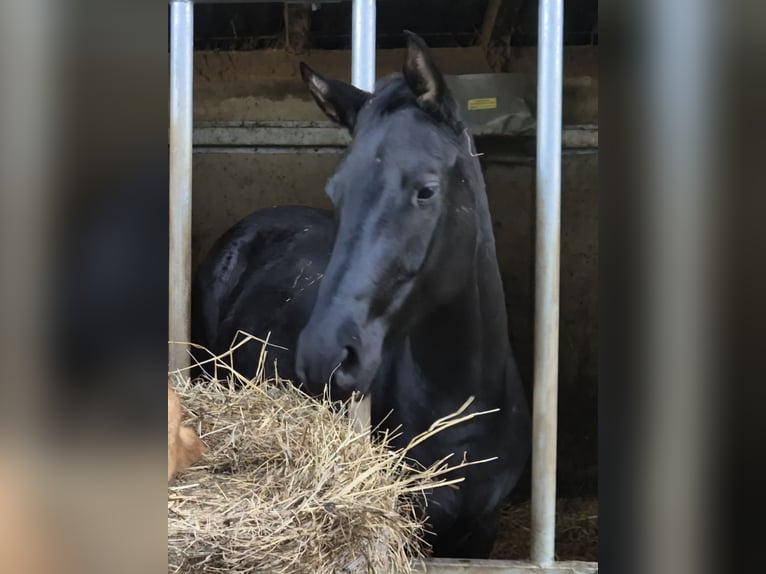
[(482, 104)]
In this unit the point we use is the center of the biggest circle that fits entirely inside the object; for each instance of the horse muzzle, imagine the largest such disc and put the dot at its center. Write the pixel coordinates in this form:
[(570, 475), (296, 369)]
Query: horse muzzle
[(344, 359)]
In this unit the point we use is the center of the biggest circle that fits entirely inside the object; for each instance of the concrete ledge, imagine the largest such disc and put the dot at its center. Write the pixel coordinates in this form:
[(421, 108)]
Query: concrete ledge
[(319, 134)]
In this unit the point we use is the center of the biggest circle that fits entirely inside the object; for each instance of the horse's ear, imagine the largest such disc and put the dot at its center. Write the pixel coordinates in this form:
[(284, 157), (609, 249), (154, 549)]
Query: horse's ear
[(339, 100), (426, 81)]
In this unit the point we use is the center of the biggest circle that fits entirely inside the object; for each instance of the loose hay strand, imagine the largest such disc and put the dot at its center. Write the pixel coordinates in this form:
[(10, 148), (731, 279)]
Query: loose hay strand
[(288, 485)]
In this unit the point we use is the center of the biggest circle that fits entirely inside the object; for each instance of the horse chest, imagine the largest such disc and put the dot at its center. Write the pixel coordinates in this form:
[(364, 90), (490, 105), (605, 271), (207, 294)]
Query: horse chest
[(405, 397)]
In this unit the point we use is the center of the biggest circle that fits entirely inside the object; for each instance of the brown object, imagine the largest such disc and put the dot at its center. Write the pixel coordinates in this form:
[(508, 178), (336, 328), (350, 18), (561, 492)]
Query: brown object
[(184, 446), (26, 543)]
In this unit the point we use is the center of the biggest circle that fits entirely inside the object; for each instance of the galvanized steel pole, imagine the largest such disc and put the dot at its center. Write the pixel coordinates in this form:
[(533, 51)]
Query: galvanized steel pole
[(363, 28), (179, 286), (548, 242), (363, 44)]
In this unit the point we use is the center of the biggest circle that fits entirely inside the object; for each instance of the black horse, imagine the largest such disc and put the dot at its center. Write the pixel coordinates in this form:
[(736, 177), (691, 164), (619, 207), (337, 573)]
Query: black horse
[(398, 295)]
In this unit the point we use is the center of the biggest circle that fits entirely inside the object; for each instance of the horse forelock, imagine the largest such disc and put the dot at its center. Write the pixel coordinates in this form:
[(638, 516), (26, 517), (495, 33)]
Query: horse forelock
[(393, 94)]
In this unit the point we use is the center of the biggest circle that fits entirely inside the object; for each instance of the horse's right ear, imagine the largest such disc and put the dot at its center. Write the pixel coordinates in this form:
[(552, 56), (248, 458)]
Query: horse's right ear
[(339, 100)]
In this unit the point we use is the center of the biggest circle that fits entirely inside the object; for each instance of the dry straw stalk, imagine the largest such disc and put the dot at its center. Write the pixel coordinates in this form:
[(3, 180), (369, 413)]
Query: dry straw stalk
[(288, 485)]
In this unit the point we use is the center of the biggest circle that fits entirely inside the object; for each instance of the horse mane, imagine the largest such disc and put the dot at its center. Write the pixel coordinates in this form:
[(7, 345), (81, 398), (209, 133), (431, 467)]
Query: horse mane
[(392, 94)]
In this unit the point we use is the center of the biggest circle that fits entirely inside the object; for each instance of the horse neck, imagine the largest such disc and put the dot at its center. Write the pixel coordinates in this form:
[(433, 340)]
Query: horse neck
[(464, 343)]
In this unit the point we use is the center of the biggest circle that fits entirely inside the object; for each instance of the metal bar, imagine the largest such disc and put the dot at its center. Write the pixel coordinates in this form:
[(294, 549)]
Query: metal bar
[(488, 25), (680, 130), (363, 44), (181, 73), (455, 566), (363, 27), (548, 242)]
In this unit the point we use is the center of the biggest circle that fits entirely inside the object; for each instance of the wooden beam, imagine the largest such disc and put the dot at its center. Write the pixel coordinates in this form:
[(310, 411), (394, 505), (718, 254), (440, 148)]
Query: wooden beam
[(297, 21), (488, 25)]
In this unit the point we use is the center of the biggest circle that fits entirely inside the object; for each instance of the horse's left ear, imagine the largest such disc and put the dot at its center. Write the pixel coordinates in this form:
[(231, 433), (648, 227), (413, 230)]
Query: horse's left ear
[(426, 81), (340, 101)]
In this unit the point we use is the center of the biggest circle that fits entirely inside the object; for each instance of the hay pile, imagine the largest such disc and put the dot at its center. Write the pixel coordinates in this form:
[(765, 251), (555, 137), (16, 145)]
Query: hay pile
[(288, 485)]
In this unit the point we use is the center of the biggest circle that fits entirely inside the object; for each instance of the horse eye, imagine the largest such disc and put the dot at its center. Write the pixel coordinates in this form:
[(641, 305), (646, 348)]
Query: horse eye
[(427, 192)]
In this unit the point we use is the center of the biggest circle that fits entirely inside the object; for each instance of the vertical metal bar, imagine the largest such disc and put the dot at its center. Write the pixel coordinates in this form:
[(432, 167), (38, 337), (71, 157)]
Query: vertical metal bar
[(179, 286), (680, 128), (363, 44), (548, 242), (363, 27)]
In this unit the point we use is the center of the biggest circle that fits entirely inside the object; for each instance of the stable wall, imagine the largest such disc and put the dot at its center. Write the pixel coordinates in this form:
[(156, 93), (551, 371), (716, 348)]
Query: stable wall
[(231, 182)]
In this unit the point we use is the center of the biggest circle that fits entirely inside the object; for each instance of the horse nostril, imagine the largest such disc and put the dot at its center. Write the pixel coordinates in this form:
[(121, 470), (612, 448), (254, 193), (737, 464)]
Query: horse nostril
[(350, 361)]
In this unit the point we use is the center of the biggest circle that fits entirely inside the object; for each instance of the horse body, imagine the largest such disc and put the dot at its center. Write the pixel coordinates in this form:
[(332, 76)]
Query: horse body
[(409, 307), (456, 352), (261, 277)]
